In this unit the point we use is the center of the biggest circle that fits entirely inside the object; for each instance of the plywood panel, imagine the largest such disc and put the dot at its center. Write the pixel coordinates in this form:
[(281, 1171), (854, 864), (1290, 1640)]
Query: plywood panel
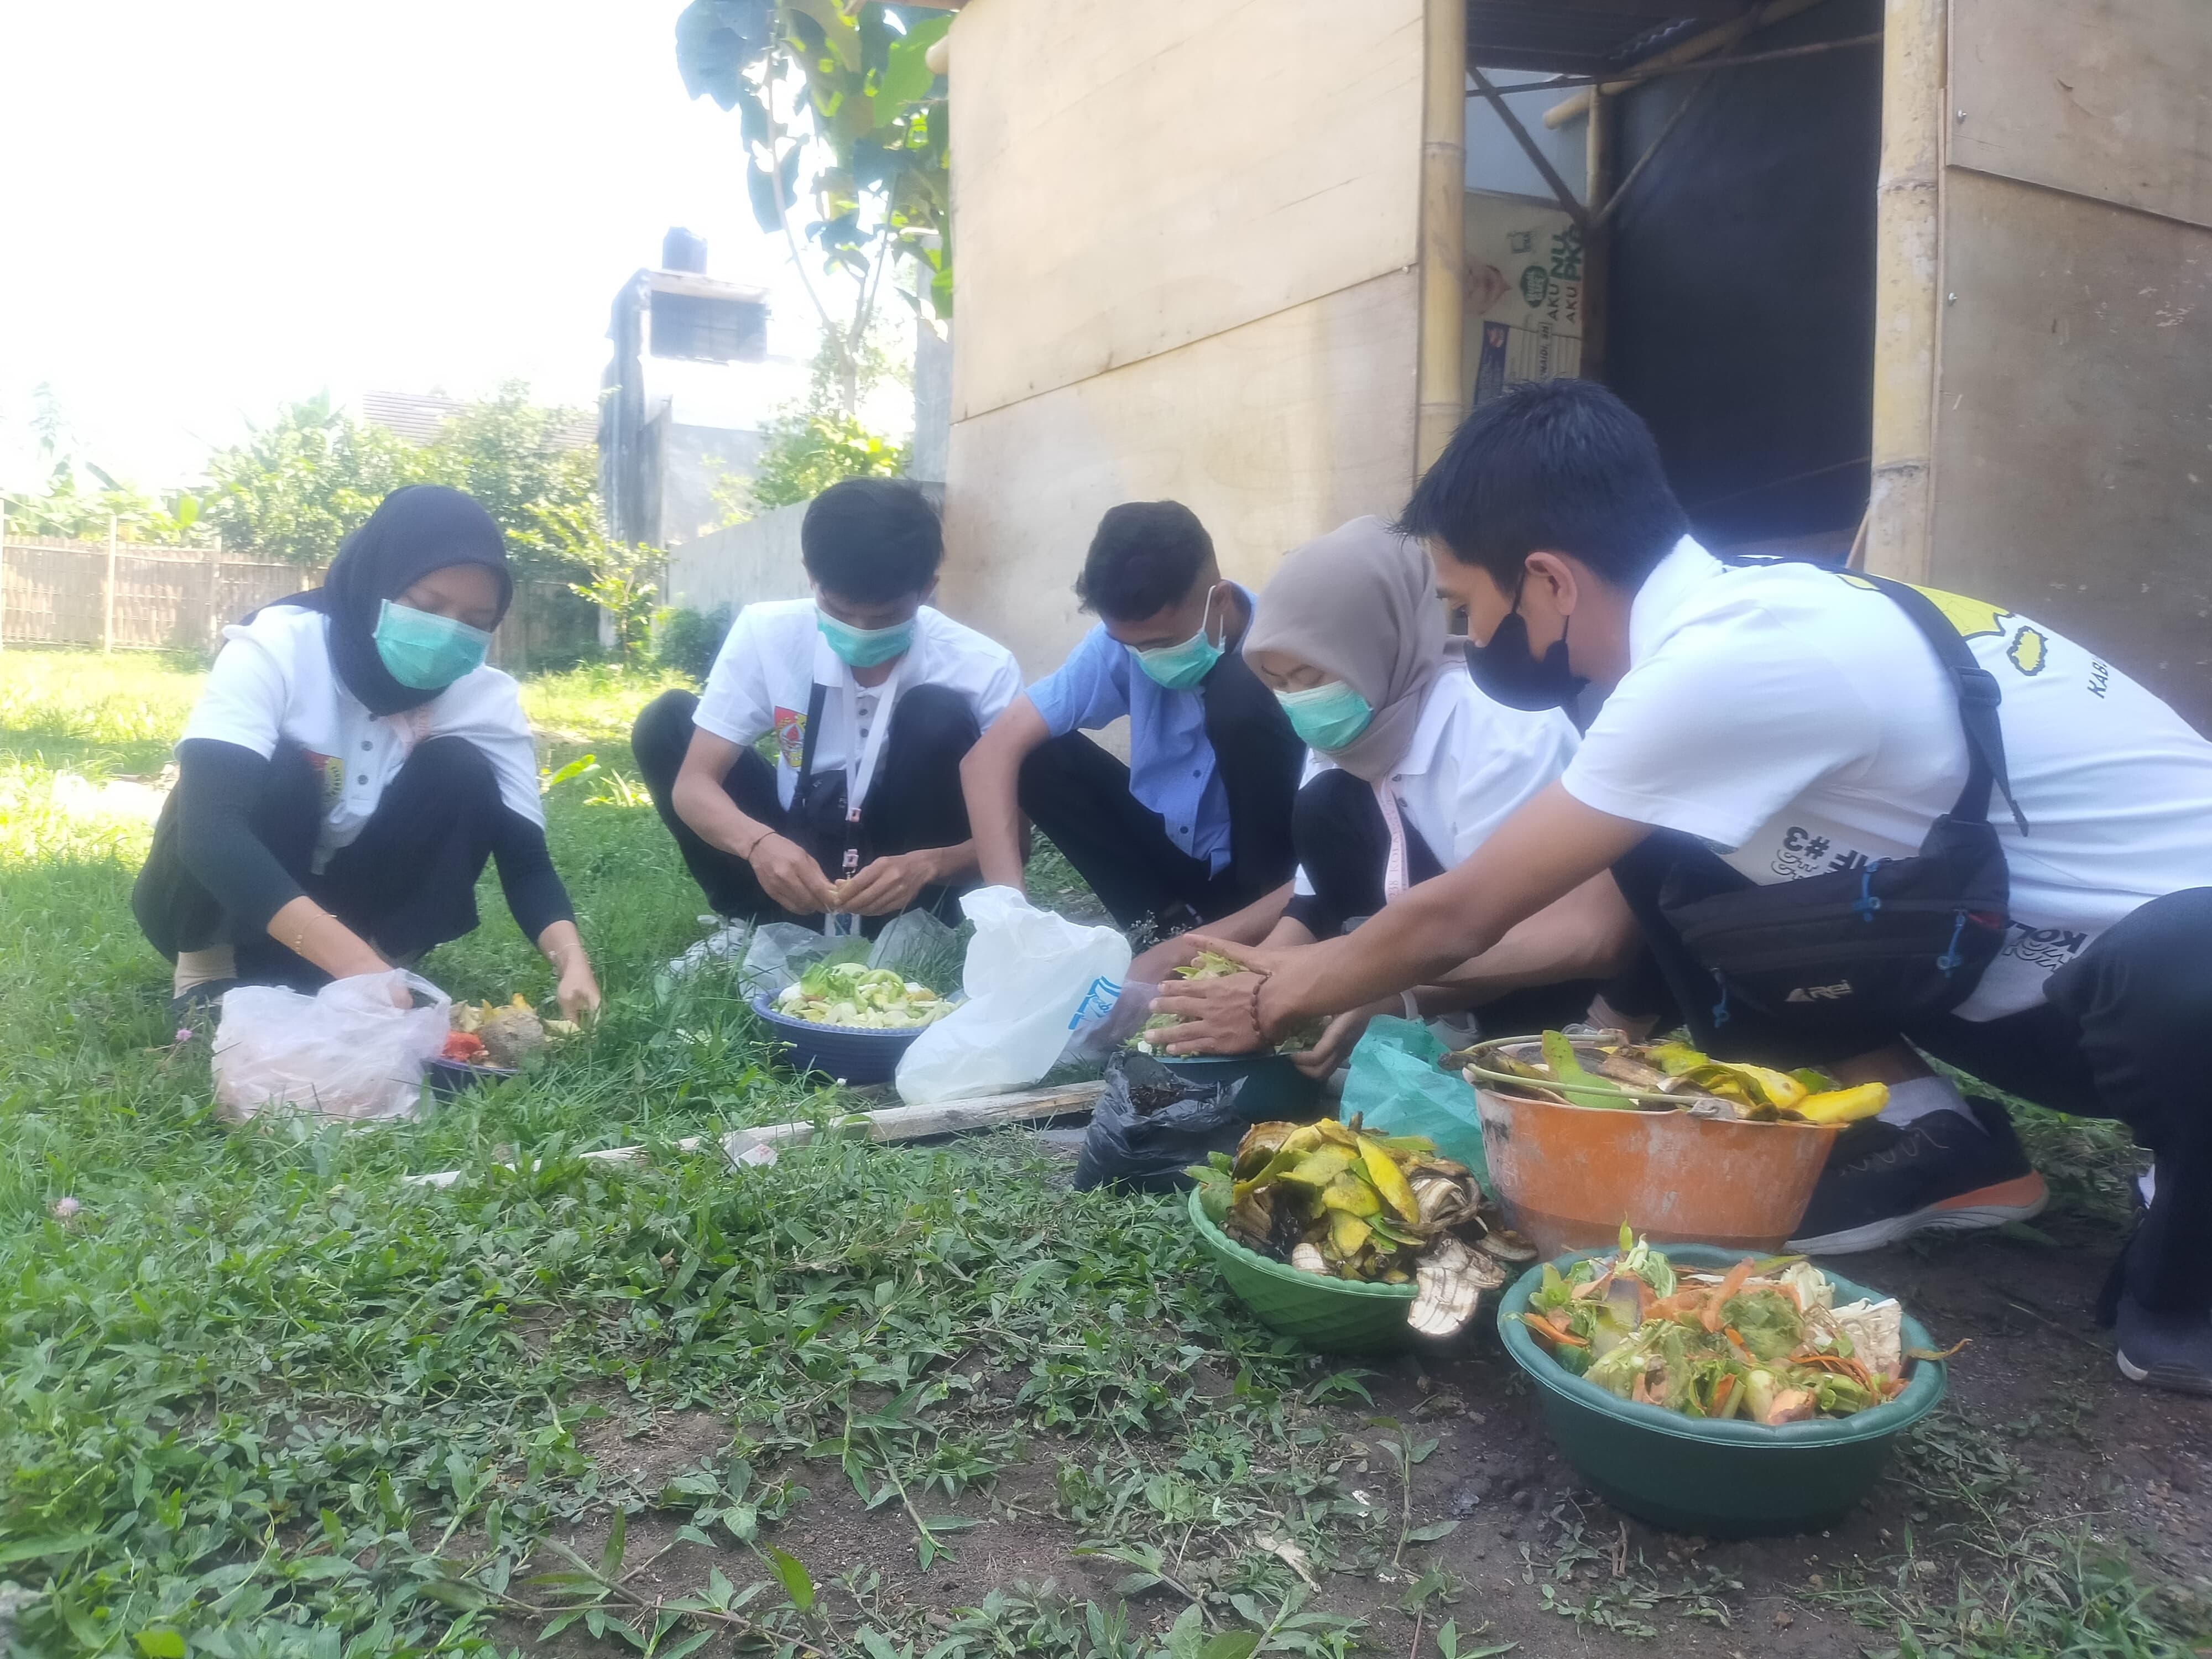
[(1130, 177), (2073, 474), (1271, 433), (2106, 98)]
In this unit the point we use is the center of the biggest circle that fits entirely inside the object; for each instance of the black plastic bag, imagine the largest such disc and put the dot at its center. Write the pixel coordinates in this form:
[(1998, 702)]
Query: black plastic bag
[(1150, 1125)]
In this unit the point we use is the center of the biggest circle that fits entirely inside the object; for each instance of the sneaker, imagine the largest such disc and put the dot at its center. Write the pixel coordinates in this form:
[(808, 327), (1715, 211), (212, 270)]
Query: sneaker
[(2165, 1349), (1940, 1173), (725, 942)]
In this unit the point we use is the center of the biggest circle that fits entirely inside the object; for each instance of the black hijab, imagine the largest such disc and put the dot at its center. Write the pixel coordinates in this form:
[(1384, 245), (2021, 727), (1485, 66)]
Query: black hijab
[(413, 531)]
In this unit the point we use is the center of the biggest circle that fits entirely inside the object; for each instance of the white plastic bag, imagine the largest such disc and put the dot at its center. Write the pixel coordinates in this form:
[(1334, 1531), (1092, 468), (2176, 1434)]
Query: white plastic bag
[(1028, 976), (346, 1052)]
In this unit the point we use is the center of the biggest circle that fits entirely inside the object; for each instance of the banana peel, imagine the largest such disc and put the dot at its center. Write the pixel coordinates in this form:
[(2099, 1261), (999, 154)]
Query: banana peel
[(1389, 1180), (1330, 1199), (1843, 1105)]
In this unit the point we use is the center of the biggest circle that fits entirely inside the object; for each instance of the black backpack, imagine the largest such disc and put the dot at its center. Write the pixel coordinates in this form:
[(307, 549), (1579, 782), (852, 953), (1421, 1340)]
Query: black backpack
[(1866, 953)]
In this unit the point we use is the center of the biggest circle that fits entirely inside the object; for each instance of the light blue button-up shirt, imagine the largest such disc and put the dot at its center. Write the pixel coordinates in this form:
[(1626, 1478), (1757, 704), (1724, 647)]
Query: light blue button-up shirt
[(1172, 768)]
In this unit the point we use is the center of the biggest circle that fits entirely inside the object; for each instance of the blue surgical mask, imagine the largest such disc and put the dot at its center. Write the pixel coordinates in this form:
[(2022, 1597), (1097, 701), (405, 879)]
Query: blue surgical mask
[(1179, 667), (1326, 717), (424, 651), (864, 647)]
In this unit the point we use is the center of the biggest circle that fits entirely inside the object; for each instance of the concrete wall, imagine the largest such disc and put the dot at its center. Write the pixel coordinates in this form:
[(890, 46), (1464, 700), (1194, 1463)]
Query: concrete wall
[(756, 560), (693, 462)]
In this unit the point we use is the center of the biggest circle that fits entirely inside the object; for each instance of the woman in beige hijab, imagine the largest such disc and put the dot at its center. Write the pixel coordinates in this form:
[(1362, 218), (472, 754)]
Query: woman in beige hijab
[(1411, 766)]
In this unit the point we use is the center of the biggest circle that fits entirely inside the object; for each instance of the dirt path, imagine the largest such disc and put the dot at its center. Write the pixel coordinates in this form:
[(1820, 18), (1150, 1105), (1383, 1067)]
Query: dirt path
[(2040, 1443)]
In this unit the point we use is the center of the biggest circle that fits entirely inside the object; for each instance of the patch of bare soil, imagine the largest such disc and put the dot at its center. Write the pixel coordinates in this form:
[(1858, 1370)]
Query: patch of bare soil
[(2037, 1412)]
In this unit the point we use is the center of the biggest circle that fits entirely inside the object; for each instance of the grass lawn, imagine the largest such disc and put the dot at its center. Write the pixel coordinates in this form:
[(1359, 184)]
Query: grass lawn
[(259, 1396)]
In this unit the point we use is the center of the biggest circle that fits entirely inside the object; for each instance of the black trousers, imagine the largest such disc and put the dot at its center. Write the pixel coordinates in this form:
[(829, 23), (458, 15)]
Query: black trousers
[(2114, 1036), (407, 882), (914, 801), (1079, 795), (1344, 846)]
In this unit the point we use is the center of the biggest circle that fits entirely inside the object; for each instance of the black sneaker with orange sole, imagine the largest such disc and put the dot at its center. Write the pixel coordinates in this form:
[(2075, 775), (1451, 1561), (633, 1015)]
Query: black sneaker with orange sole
[(1940, 1173)]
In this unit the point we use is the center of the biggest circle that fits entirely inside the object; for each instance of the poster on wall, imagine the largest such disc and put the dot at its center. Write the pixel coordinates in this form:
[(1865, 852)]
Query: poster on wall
[(1524, 294)]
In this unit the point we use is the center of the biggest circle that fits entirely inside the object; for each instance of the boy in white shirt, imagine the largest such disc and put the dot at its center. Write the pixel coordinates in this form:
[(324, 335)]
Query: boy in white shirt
[(1774, 733), (873, 698)]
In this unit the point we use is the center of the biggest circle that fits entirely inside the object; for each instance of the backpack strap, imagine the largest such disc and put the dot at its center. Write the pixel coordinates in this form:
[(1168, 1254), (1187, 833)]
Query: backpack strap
[(816, 701), (1978, 698), (1976, 687)]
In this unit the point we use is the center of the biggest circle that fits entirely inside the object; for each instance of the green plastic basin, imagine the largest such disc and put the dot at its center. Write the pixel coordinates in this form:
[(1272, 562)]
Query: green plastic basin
[(1725, 1480), (1334, 1315)]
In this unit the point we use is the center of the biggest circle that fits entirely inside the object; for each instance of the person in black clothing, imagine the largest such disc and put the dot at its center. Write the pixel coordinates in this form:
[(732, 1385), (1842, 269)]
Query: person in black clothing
[(349, 768), (1196, 826)]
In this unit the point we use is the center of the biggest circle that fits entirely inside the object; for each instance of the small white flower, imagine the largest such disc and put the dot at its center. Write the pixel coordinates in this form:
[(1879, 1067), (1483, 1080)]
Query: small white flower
[(66, 1208)]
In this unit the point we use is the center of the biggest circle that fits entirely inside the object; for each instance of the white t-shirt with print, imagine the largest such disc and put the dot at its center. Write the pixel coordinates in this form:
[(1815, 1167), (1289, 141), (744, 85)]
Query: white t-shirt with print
[(1471, 764), (774, 655), (1795, 719), (273, 682)]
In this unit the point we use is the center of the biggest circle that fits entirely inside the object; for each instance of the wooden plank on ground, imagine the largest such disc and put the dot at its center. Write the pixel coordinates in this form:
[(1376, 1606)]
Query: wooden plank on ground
[(2109, 98), (886, 1124)]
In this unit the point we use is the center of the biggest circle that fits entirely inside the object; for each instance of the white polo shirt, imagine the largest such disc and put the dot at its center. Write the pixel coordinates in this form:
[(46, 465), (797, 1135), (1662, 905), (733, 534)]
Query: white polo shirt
[(1471, 764), (774, 655), (273, 682), (1794, 719)]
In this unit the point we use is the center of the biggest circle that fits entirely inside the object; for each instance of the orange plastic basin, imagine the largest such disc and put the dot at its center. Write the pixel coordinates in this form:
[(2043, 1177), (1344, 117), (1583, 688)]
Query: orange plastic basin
[(1571, 1174)]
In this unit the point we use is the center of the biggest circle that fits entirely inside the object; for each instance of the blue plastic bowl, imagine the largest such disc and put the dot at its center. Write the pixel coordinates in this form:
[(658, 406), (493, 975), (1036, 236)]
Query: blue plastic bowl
[(851, 1053)]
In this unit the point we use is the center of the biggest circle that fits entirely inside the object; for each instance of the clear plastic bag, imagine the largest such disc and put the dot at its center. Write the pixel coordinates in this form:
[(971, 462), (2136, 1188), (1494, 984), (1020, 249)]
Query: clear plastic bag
[(1029, 977), (346, 1053)]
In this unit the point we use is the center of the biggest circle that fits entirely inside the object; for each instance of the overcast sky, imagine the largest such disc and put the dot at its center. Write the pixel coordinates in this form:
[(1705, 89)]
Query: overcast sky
[(207, 210)]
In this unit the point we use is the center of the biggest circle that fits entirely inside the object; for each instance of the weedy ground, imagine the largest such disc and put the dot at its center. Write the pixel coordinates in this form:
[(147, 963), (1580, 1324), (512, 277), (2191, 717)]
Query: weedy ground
[(261, 1396)]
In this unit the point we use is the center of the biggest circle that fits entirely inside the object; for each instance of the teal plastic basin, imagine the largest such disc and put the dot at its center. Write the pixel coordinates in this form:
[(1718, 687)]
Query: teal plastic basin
[(1724, 1480), (1334, 1315)]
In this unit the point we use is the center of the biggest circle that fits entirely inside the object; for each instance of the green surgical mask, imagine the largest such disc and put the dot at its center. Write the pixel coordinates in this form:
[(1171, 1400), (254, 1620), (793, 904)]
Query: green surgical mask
[(1326, 717), (864, 647), (1179, 667), (426, 652)]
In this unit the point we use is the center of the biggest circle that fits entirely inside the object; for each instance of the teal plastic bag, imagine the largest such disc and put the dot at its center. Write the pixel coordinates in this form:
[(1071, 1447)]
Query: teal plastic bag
[(1396, 1088)]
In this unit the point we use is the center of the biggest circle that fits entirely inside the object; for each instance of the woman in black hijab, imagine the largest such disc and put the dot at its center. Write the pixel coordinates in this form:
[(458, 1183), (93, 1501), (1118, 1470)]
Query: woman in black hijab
[(349, 768)]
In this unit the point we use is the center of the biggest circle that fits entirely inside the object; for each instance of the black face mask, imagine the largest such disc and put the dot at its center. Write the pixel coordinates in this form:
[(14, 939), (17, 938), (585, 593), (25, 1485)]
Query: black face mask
[(1509, 672)]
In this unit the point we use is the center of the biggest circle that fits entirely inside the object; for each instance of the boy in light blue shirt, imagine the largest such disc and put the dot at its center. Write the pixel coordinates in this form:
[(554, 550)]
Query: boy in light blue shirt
[(1196, 826)]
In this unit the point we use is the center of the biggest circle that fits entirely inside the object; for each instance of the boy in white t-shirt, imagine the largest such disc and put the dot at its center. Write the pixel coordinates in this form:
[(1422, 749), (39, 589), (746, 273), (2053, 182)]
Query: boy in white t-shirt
[(1766, 726), (871, 697)]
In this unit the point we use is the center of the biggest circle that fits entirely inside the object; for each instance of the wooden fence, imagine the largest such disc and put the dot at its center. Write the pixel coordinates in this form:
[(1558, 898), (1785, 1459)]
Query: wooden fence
[(129, 597)]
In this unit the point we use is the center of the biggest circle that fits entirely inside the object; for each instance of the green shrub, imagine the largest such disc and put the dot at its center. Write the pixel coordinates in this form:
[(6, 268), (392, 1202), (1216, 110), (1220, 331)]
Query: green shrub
[(686, 640)]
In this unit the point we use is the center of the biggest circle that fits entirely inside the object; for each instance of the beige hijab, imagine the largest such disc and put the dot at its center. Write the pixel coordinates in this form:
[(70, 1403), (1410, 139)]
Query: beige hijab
[(1359, 603)]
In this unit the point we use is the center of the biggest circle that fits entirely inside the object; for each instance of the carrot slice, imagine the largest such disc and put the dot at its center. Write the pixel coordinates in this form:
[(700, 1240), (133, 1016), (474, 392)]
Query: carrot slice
[(1727, 1287)]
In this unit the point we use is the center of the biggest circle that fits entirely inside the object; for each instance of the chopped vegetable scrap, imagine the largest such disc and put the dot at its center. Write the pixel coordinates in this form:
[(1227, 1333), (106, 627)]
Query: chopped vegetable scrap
[(1602, 1068), (506, 1034), (1212, 964), (1329, 1199), (1763, 1341), (852, 994)]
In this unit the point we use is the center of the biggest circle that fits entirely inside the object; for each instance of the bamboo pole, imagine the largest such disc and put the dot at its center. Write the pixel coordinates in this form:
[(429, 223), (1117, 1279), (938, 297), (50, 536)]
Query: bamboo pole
[(1908, 280), (108, 592), (1598, 168), (1439, 394)]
